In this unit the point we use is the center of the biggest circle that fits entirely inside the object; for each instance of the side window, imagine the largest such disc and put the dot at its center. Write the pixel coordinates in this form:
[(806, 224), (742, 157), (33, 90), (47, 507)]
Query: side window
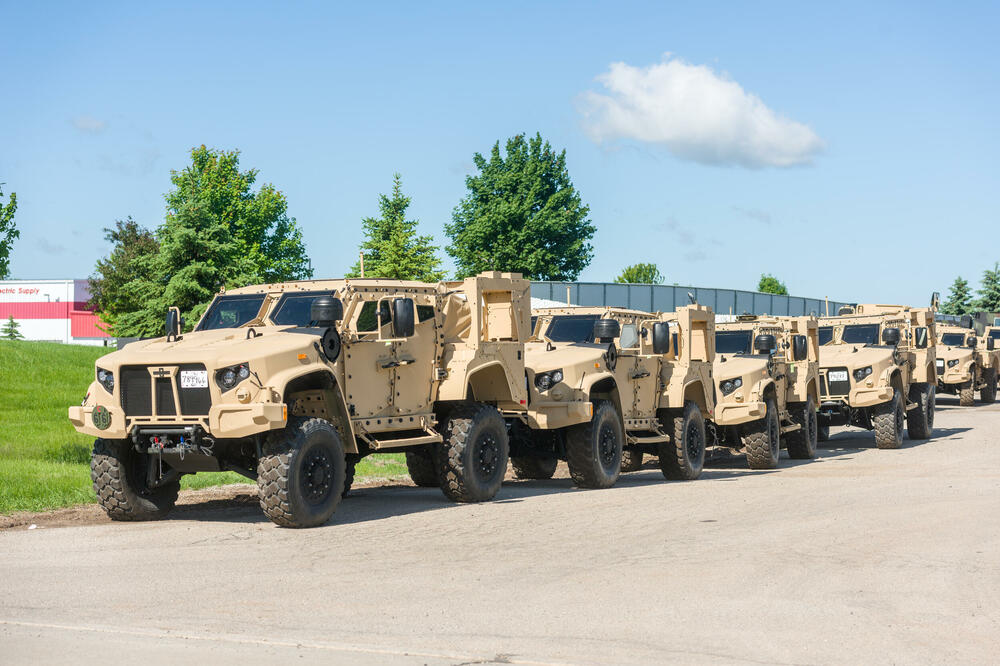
[(425, 312), (367, 321), (629, 337)]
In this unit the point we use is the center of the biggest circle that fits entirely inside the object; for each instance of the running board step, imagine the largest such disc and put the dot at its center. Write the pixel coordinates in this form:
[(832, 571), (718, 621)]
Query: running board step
[(791, 428), (647, 439)]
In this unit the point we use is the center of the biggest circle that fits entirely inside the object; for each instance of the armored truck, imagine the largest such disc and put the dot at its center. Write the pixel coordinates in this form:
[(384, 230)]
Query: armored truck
[(877, 372), (966, 364), (291, 384), (648, 377), (766, 371)]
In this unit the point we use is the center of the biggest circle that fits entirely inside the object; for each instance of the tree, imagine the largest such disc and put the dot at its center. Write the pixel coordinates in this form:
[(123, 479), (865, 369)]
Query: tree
[(989, 291), (8, 232), (392, 247), (771, 285), (10, 330), (521, 214), (640, 274), (959, 298), (257, 221), (115, 286)]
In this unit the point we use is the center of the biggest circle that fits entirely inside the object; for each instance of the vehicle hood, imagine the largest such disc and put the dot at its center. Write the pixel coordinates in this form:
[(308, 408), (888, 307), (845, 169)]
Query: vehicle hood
[(853, 356), (952, 353), (730, 366), (542, 357)]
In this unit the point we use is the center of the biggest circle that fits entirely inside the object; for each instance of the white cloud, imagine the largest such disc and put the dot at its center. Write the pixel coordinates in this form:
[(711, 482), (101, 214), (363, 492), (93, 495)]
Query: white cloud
[(696, 114), (89, 124)]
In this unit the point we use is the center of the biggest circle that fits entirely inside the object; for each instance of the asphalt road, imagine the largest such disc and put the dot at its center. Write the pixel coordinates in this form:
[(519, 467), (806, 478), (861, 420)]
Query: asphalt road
[(860, 556)]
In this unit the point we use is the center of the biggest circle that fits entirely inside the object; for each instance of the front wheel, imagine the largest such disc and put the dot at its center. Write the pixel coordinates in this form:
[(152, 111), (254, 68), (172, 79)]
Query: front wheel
[(683, 457), (888, 420), (474, 453), (920, 419), (594, 449), (761, 439), (119, 474), (967, 391), (301, 475), (801, 443)]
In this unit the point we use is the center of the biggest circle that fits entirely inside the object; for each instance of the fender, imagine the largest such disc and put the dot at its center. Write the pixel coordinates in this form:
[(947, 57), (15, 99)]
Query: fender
[(338, 411), (494, 395), (760, 389), (696, 389)]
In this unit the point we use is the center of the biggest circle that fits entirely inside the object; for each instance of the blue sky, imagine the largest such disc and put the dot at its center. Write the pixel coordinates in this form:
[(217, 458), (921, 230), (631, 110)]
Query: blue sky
[(882, 121)]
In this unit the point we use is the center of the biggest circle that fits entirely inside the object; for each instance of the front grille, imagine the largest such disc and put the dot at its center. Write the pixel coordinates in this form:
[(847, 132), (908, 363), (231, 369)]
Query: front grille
[(139, 390), (838, 387)]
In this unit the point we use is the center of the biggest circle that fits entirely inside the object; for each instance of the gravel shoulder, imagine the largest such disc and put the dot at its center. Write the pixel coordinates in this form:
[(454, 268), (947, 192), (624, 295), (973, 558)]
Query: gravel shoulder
[(862, 555)]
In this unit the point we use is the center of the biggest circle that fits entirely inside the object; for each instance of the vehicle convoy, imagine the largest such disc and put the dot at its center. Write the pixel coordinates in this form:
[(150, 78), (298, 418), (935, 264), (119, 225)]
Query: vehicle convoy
[(291, 384), (966, 364), (767, 373), (877, 372), (648, 377)]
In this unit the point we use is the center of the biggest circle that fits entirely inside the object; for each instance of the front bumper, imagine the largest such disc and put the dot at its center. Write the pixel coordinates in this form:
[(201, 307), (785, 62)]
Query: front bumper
[(224, 421), (735, 413), (956, 377), (551, 415), (869, 397)]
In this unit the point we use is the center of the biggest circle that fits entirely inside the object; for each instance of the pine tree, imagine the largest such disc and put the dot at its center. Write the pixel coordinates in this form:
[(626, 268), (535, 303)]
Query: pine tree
[(392, 248), (989, 292), (10, 330), (959, 298)]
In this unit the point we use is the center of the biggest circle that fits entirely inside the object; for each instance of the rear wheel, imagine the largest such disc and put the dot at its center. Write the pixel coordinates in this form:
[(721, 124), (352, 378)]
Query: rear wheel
[(300, 477), (920, 419), (888, 420), (683, 457), (761, 439), (801, 443), (967, 391), (988, 394), (823, 433), (631, 460), (594, 449), (420, 465), (474, 453), (351, 460), (530, 467), (119, 474)]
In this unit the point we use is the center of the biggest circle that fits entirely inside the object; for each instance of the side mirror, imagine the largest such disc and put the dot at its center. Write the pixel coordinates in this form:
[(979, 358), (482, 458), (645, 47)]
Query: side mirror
[(173, 323), (800, 348), (765, 343), (920, 337), (990, 344), (890, 336), (403, 321), (326, 310), (972, 342), (661, 337), (606, 330)]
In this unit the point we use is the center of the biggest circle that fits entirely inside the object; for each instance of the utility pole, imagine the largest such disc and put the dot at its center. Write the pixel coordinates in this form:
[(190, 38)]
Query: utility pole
[(362, 255)]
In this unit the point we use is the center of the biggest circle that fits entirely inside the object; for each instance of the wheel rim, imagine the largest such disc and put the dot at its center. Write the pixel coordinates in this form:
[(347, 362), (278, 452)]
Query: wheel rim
[(317, 476), (694, 443), (487, 455), (608, 445)]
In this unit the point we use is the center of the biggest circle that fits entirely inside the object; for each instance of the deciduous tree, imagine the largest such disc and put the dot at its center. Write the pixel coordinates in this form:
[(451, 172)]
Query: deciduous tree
[(771, 285), (640, 274), (8, 232)]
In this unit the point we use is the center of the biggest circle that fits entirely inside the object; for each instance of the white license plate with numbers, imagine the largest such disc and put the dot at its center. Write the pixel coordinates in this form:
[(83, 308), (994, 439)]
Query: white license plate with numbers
[(194, 378), (837, 376), (940, 363)]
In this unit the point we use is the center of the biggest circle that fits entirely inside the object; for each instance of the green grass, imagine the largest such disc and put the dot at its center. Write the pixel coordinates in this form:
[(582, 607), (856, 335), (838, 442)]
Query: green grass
[(44, 462)]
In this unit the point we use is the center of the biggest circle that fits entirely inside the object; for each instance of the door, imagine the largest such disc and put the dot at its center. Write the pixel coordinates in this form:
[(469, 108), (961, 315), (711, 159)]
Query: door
[(416, 358), (368, 360)]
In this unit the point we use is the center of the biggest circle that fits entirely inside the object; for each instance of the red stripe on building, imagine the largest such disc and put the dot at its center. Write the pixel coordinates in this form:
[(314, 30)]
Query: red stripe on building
[(85, 324), (43, 310)]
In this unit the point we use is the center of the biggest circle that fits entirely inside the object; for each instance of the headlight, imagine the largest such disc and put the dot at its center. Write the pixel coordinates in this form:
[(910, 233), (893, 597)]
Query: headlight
[(730, 385), (229, 377), (861, 373), (107, 380), (953, 363), (546, 380)]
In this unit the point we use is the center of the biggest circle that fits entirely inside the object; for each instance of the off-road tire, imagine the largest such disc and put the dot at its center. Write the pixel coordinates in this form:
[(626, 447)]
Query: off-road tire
[(683, 457), (532, 467), (988, 394), (888, 420), (119, 477), (631, 460), (351, 460), (823, 433), (920, 419), (473, 456), (594, 449), (801, 443), (302, 473), (423, 471), (967, 391), (762, 439)]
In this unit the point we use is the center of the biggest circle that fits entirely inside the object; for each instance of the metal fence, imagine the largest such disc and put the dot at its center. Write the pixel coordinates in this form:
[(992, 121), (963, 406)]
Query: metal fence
[(667, 298)]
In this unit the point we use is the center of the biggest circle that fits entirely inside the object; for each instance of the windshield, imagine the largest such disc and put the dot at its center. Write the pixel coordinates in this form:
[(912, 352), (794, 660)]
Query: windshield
[(572, 328), (825, 335), (953, 339), (995, 334), (732, 342), (296, 309), (231, 312), (865, 334)]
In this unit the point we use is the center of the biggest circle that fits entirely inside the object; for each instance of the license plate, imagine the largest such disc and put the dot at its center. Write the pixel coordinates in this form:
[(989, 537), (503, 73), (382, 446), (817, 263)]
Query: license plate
[(837, 376), (194, 378), (940, 363)]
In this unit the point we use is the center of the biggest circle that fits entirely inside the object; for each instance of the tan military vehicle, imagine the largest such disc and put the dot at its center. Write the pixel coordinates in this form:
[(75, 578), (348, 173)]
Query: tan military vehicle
[(292, 383), (877, 372), (966, 364), (767, 373), (647, 376)]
